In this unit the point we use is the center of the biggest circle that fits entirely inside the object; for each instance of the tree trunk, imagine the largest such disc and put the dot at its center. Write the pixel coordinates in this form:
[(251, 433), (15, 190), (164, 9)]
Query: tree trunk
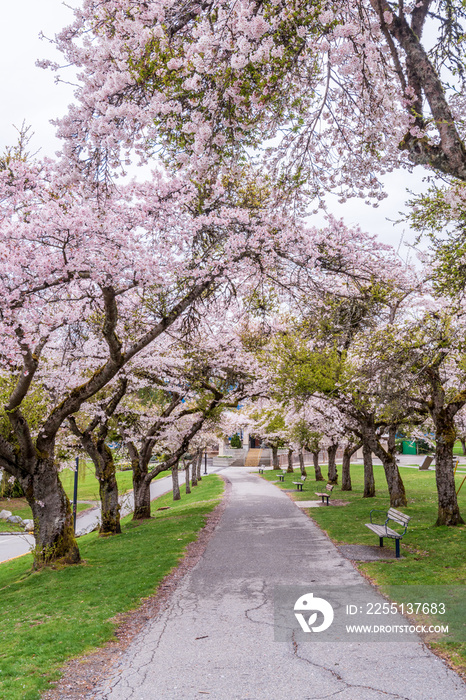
[(186, 477), (110, 507), (348, 452), (290, 462), (387, 456), (194, 471), (275, 461), (51, 512), (332, 466), (463, 445), (395, 484), (105, 472), (301, 462), (141, 493), (369, 482), (175, 483), (448, 510), (315, 459)]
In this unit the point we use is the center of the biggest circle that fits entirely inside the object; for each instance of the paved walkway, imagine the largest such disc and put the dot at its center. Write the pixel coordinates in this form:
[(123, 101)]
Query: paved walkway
[(215, 638)]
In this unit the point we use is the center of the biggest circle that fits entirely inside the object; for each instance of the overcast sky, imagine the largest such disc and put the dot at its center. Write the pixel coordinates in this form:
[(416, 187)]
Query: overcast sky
[(31, 94)]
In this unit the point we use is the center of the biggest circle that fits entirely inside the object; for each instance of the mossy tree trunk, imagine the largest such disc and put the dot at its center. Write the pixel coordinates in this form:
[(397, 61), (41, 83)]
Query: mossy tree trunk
[(290, 469), (332, 465), (369, 481), (348, 452), (301, 462), (105, 472), (51, 512), (317, 469), (445, 433), (186, 476), (34, 465), (395, 484), (141, 491), (108, 492)]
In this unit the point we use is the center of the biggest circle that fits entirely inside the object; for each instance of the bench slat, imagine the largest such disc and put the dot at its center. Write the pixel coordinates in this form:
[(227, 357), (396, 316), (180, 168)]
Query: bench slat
[(398, 517), (383, 531)]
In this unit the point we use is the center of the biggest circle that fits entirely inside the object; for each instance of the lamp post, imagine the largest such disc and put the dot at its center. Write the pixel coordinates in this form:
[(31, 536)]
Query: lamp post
[(75, 493)]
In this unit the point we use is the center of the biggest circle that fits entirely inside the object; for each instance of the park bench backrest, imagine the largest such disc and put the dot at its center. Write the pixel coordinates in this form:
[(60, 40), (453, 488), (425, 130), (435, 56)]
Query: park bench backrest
[(398, 517), (303, 478), (329, 487), (426, 463)]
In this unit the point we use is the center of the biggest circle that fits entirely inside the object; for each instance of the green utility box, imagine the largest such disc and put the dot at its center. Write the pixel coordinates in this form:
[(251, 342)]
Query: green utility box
[(409, 447)]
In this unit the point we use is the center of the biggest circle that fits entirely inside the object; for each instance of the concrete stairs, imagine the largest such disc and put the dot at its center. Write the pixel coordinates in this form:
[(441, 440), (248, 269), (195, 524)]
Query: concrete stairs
[(253, 457)]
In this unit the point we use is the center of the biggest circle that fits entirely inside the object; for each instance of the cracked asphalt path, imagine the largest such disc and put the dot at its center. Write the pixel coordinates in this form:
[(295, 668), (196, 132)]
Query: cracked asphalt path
[(215, 637)]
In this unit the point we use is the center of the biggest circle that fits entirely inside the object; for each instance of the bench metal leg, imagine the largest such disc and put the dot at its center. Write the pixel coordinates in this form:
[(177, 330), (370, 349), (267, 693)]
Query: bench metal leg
[(381, 541), (397, 548), (327, 499)]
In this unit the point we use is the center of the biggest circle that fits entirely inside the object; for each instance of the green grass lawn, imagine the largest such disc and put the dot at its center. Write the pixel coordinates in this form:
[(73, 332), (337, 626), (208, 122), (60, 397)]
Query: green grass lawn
[(431, 556), (52, 615)]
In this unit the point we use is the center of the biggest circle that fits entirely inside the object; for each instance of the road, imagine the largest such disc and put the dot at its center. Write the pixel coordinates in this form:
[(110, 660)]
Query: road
[(215, 637)]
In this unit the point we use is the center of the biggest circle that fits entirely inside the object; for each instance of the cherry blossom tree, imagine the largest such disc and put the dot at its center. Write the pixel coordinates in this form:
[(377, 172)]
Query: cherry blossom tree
[(319, 359), (352, 90), (93, 438), (430, 351), (206, 438), (87, 284), (215, 375)]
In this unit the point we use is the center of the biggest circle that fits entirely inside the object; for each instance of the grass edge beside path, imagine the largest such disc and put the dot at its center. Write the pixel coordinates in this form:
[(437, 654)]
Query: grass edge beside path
[(431, 556), (52, 616)]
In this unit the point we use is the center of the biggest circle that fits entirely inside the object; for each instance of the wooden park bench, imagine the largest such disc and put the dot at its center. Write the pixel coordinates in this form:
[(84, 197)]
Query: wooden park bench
[(281, 477), (426, 463), (261, 470), (299, 484), (385, 531), (329, 489)]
